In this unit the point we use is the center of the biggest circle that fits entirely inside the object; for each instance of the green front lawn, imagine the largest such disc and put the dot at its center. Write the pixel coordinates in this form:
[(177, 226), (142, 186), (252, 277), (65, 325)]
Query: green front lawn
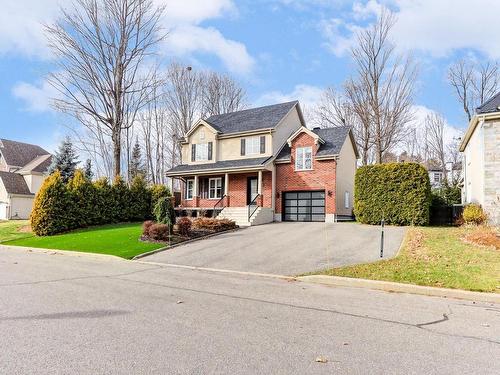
[(14, 229), (435, 256), (116, 239)]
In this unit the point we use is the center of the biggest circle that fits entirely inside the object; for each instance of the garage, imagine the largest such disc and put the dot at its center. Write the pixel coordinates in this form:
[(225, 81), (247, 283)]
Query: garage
[(304, 206)]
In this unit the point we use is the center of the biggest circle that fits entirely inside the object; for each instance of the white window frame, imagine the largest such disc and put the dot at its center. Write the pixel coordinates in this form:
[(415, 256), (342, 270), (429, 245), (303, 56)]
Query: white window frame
[(216, 188), (201, 152), (300, 160), (347, 199), (437, 177), (252, 146), (189, 189)]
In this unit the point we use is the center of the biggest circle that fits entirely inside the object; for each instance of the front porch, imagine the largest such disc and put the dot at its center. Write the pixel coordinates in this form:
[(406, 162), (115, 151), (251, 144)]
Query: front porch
[(237, 195)]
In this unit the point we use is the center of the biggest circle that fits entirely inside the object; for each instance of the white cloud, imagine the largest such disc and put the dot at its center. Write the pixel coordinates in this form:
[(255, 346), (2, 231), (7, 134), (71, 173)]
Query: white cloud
[(21, 29), (307, 95), (37, 97), (186, 40), (437, 28)]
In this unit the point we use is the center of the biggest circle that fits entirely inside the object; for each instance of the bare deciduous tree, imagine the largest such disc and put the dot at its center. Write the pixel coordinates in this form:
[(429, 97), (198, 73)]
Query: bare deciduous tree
[(434, 126), (221, 94), (101, 50), (473, 83), (388, 81)]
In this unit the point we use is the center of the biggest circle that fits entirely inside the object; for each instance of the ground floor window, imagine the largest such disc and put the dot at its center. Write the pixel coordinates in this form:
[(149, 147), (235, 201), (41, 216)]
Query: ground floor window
[(215, 188), (189, 189)]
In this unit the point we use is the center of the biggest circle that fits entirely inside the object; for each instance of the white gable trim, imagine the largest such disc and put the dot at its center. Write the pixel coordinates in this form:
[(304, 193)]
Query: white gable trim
[(197, 124), (303, 129)]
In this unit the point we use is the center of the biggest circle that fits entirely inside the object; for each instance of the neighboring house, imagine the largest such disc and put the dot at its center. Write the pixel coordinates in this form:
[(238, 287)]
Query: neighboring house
[(266, 160), (22, 171), (481, 159), (437, 176)]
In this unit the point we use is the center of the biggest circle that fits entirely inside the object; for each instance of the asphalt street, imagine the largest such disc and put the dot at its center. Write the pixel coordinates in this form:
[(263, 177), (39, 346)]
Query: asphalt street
[(83, 314)]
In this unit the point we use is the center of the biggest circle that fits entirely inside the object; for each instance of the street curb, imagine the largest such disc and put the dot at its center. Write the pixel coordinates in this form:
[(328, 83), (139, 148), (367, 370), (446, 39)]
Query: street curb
[(139, 256), (219, 270), (43, 250), (388, 286)]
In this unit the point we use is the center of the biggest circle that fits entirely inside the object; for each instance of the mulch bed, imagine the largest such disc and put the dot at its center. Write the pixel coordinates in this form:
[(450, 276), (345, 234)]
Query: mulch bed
[(176, 238)]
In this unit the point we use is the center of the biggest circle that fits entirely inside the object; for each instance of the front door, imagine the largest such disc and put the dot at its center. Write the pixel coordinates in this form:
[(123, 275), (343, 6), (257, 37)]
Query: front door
[(251, 189)]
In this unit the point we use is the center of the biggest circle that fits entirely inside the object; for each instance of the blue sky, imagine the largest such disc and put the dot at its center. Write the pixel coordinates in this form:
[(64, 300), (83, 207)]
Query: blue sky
[(278, 49)]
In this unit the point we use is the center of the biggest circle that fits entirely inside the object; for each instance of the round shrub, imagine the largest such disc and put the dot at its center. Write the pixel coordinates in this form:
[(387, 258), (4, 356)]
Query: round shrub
[(473, 214), (146, 226), (164, 212), (159, 232), (52, 208), (399, 193), (184, 224)]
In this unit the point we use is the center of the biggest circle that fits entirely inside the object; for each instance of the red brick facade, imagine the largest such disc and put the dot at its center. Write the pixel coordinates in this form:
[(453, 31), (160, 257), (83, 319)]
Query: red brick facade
[(321, 177)]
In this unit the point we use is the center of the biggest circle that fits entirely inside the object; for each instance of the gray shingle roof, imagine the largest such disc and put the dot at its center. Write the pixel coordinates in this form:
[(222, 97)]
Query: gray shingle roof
[(19, 154), (251, 119), (491, 105), (14, 183), (225, 164), (334, 138)]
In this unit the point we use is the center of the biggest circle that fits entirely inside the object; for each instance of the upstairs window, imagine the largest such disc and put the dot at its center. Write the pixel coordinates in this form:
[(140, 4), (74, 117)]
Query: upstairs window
[(253, 145), (303, 158), (201, 151)]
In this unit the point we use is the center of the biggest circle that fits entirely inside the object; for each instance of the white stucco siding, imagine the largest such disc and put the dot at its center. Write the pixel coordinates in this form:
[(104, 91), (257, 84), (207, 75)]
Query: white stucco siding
[(474, 167), (20, 207), (345, 174), (34, 182), (289, 124)]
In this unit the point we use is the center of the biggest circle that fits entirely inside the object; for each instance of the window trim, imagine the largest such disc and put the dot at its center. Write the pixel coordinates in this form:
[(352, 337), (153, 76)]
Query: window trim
[(198, 148), (215, 188), (303, 159), (191, 180), (256, 145)]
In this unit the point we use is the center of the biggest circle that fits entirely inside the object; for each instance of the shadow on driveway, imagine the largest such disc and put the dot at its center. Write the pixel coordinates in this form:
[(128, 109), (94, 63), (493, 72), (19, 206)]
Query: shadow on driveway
[(287, 248)]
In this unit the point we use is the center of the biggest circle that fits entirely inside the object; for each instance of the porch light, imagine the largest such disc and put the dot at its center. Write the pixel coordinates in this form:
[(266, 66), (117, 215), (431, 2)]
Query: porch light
[(330, 193)]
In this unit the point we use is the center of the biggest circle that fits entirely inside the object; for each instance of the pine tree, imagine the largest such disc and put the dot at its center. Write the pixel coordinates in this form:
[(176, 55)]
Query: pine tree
[(88, 170), (65, 160), (136, 167)]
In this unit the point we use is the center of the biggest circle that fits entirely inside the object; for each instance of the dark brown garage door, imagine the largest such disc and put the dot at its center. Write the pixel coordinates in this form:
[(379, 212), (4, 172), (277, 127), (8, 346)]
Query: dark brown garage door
[(304, 206)]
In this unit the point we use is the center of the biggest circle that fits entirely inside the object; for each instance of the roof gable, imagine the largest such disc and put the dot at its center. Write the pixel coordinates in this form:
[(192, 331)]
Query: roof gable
[(333, 140), (267, 117), (18, 154), (14, 183)]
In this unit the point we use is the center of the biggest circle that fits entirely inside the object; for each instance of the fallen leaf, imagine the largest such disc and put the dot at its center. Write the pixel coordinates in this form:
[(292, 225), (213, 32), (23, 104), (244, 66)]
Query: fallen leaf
[(180, 302), (321, 359)]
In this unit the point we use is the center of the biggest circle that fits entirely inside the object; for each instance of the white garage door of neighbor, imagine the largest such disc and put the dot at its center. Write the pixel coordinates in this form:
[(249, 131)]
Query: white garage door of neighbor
[(4, 207)]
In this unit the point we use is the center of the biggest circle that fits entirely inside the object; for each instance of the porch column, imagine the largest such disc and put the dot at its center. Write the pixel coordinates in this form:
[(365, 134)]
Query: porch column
[(226, 183), (171, 185), (273, 189), (259, 183), (196, 197)]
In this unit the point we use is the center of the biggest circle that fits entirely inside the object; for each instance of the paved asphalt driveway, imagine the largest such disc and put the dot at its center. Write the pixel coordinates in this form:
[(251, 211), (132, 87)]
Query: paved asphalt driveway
[(286, 248)]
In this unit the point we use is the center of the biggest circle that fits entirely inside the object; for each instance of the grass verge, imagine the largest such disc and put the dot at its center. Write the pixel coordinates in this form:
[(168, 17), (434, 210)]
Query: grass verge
[(435, 256), (14, 229), (116, 239)]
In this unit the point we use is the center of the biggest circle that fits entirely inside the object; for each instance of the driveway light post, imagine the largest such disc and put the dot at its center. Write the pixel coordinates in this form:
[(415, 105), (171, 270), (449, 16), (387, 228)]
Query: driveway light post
[(382, 239)]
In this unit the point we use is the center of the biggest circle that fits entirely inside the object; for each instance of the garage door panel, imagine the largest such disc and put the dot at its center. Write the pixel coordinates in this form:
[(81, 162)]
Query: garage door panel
[(304, 206)]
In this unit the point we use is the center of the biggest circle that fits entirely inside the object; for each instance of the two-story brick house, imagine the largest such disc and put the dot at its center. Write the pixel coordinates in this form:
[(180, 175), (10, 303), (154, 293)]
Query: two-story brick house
[(263, 164)]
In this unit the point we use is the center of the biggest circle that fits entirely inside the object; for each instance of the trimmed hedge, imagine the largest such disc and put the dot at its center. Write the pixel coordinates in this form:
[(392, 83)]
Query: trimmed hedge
[(60, 207), (397, 192)]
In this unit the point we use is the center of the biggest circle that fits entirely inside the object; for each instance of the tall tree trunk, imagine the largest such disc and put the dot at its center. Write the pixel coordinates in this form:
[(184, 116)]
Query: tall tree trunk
[(116, 138)]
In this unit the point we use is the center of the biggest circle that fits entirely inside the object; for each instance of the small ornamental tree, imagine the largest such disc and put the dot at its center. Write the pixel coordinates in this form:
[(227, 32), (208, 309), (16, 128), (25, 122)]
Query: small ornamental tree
[(140, 199), (52, 207), (399, 193), (164, 212), (136, 167), (158, 191), (65, 160)]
